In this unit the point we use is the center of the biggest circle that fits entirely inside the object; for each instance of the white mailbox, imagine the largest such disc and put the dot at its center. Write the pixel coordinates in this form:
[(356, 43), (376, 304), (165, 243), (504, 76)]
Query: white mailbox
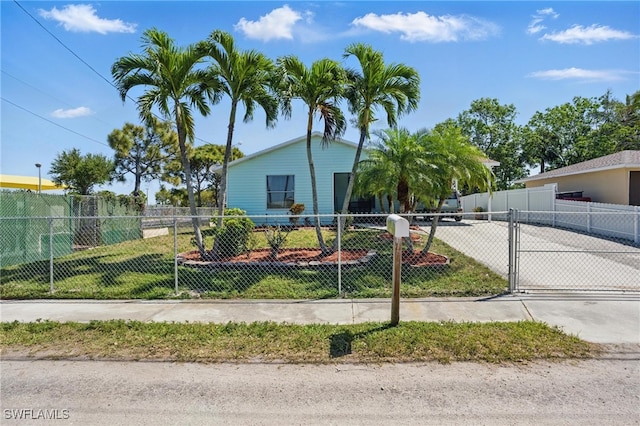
[(397, 226)]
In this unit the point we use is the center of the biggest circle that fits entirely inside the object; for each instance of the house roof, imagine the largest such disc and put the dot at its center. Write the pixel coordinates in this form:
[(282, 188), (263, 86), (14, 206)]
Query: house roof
[(285, 144), (619, 160)]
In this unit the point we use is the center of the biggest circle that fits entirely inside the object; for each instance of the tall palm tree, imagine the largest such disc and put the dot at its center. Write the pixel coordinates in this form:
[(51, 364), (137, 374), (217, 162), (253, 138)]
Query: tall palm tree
[(174, 86), (453, 158), (395, 88), (247, 78), (320, 88)]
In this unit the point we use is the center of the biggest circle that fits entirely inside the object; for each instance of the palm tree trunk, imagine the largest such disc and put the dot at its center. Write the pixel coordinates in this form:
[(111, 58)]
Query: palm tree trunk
[(350, 184), (222, 195), (314, 189), (434, 225), (187, 175)]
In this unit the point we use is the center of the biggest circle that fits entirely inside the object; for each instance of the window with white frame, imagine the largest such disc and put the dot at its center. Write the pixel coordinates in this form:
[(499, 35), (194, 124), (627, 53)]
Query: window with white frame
[(280, 191)]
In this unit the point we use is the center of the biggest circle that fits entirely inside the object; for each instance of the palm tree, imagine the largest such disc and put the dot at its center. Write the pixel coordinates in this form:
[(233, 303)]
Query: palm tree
[(319, 87), (454, 159), (174, 86), (395, 88), (398, 164), (247, 78)]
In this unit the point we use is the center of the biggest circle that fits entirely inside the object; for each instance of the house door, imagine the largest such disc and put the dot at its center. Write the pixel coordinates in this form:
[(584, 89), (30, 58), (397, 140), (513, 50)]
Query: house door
[(357, 204), (634, 188)]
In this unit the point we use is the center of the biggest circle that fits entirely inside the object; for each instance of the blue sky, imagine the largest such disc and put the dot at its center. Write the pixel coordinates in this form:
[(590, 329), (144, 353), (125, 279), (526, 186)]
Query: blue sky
[(56, 59)]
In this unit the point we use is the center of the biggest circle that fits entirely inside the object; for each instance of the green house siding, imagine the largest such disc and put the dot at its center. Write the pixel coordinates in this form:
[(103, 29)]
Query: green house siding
[(247, 187)]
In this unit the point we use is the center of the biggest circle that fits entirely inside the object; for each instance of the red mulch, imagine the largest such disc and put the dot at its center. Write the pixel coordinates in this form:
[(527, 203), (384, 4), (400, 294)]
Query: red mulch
[(285, 255), (417, 258), (388, 236), (308, 255)]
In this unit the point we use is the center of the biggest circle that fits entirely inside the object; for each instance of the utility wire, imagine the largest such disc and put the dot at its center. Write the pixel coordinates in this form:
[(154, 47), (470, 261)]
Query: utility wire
[(64, 45), (51, 96), (53, 122), (81, 60)]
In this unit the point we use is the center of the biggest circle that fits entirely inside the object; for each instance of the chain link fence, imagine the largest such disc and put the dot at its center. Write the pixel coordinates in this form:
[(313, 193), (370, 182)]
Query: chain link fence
[(593, 251), (282, 257)]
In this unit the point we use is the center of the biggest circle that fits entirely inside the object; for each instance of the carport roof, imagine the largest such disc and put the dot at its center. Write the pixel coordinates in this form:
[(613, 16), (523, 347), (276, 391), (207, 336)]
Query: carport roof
[(27, 182)]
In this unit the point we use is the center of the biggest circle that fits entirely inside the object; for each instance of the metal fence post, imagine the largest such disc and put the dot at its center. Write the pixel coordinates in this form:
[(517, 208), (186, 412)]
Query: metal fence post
[(514, 224), (339, 237), (636, 226), (510, 265), (51, 288), (175, 253), (516, 250)]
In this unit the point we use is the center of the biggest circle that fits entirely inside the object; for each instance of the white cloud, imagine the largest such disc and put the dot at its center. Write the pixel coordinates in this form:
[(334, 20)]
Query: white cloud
[(588, 35), (83, 18), (72, 113), (580, 74), (277, 24), (421, 26), (535, 26)]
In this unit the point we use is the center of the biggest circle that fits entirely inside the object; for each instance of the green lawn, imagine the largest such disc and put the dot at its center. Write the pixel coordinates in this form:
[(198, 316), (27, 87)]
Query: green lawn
[(144, 269), (238, 342)]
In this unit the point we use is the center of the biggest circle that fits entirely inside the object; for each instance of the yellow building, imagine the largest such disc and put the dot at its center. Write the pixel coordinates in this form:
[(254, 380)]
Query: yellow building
[(613, 179)]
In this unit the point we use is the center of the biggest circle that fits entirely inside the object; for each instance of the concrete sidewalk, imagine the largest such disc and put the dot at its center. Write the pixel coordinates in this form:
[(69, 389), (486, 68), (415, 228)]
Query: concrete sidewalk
[(595, 318)]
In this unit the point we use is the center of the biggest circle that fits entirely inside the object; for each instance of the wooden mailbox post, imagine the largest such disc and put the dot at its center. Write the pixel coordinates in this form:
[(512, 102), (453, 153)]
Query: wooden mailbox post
[(398, 227)]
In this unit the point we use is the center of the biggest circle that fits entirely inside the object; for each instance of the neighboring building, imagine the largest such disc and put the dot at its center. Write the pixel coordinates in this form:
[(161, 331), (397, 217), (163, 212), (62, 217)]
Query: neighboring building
[(269, 181), (613, 179)]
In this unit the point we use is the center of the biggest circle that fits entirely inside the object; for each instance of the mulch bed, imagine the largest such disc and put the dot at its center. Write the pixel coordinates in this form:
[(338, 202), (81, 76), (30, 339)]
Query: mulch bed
[(301, 255)]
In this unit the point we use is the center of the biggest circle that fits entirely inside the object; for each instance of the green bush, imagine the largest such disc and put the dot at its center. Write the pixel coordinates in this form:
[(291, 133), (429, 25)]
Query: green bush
[(235, 233)]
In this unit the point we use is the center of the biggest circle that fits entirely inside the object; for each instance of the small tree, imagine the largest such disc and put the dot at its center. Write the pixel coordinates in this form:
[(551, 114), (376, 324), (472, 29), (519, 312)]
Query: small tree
[(80, 173), (142, 151)]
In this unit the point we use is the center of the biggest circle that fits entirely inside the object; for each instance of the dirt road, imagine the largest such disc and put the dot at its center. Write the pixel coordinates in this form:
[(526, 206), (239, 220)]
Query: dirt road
[(592, 392)]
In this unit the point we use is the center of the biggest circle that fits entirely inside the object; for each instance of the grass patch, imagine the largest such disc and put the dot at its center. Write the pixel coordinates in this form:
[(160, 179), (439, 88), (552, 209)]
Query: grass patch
[(444, 342), (144, 269)]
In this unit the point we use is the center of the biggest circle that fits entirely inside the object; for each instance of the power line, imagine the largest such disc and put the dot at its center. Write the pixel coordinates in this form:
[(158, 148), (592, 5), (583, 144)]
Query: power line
[(82, 60), (53, 122), (51, 96), (64, 45)]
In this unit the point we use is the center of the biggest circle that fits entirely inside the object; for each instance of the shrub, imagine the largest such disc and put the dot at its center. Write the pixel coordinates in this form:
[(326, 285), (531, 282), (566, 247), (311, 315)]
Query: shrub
[(295, 211), (235, 233), (275, 238)]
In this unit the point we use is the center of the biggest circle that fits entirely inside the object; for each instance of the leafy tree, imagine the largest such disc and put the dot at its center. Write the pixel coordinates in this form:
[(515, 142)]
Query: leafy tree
[(320, 88), (173, 197), (205, 161), (629, 116), (573, 132), (175, 86), (247, 78), (142, 151), (492, 128), (395, 88), (80, 173), (453, 158)]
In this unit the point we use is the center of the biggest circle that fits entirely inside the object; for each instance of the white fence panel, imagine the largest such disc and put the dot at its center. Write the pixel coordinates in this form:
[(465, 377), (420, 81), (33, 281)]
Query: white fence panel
[(609, 220)]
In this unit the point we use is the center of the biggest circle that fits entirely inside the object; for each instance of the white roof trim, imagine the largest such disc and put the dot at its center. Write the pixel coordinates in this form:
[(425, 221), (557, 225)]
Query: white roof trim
[(283, 145)]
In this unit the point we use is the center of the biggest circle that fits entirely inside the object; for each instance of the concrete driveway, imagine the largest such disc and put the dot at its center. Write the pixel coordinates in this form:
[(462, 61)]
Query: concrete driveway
[(549, 259)]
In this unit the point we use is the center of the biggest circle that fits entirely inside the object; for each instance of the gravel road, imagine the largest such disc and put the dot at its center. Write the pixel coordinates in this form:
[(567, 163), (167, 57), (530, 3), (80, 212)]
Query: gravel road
[(594, 392)]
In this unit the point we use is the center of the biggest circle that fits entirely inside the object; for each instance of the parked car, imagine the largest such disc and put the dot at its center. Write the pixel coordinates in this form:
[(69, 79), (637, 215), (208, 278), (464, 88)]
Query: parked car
[(451, 208)]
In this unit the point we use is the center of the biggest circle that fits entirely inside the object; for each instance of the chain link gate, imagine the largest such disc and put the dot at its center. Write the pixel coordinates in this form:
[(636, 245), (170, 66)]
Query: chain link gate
[(547, 257)]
